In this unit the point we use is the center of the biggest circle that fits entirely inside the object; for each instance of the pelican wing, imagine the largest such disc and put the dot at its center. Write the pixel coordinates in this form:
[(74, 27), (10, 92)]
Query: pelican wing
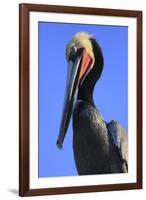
[(120, 140)]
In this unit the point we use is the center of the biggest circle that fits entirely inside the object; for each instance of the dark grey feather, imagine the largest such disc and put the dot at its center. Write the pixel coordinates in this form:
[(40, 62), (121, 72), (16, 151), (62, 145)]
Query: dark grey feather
[(120, 140), (95, 151)]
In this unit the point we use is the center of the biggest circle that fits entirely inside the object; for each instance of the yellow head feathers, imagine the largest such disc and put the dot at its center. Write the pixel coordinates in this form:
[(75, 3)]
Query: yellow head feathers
[(81, 40)]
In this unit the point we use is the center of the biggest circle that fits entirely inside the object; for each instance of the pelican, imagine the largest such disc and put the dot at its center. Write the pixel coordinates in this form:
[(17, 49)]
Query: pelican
[(99, 147)]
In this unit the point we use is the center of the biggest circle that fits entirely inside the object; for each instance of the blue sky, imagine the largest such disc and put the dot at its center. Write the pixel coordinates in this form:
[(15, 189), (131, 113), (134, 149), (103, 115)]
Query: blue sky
[(110, 94)]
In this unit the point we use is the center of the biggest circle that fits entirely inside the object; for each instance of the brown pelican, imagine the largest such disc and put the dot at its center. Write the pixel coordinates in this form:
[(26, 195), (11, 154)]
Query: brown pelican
[(99, 147)]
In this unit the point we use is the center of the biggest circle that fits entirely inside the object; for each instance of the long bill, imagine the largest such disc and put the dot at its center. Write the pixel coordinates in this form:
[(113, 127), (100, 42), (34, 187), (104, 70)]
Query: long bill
[(73, 75)]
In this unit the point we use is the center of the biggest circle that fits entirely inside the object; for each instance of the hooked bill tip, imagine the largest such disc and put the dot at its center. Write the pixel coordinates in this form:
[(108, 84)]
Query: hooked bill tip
[(58, 145)]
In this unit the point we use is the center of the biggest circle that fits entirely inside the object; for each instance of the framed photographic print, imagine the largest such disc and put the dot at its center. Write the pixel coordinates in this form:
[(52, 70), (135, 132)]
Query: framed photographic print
[(80, 99)]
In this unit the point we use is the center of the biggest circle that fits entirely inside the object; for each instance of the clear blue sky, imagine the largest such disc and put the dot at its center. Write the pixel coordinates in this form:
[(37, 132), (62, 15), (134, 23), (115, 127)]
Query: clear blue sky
[(110, 94)]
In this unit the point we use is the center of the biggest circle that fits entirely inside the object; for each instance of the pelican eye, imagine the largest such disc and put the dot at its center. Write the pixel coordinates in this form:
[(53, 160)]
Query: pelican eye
[(74, 52)]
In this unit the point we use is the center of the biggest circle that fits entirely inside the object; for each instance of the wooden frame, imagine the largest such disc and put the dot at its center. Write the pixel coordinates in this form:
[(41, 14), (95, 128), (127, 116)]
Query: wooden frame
[(24, 9)]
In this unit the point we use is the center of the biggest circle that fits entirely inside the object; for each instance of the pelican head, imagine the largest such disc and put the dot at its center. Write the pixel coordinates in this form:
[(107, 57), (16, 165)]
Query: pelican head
[(81, 57), (80, 47)]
